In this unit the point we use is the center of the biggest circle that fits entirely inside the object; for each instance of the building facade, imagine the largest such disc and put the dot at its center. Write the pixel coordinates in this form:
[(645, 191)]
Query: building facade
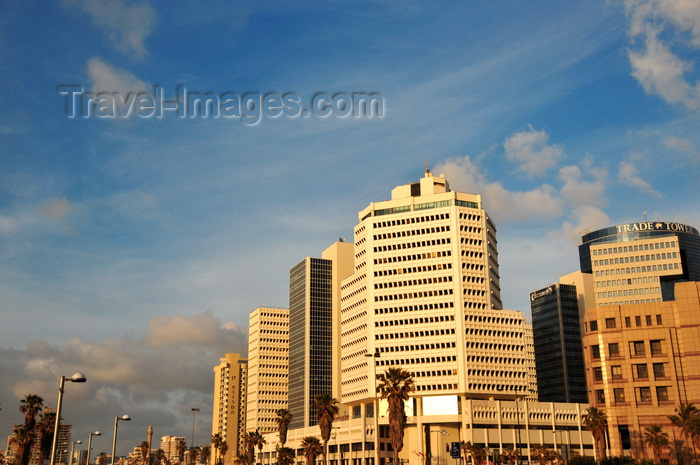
[(561, 375), (642, 360), (640, 262), (168, 444), (268, 367), (229, 413)]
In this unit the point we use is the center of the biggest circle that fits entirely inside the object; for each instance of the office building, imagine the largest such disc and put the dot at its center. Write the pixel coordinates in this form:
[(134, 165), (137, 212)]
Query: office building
[(229, 413), (642, 360), (640, 262), (556, 324), (168, 444), (268, 368)]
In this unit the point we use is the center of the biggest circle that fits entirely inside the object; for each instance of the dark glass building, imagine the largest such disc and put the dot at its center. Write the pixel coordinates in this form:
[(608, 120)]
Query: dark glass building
[(561, 375), (310, 337)]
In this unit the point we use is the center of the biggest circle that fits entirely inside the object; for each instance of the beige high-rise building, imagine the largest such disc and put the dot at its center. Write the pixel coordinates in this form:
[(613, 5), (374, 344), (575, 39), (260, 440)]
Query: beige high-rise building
[(532, 391), (229, 413), (425, 296), (642, 360), (168, 445), (268, 367)]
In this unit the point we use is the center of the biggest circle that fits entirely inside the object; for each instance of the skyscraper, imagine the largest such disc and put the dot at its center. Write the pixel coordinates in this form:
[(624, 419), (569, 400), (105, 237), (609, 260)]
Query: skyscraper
[(268, 367), (229, 413), (640, 262), (556, 325), (425, 296)]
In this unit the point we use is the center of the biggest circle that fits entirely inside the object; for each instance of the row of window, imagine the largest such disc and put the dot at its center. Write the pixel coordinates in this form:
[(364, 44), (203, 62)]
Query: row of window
[(414, 295), (629, 292), (638, 269), (405, 258), (639, 371), (627, 281), (408, 233), (411, 245), (426, 333), (635, 258), (413, 282), (415, 321), (470, 229), (416, 219), (637, 348), (611, 323), (634, 248), (414, 361), (414, 308), (642, 394), (414, 269)]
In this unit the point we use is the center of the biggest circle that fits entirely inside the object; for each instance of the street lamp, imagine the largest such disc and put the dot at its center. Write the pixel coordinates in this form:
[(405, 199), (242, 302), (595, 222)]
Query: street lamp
[(374, 356), (194, 415), (96, 433), (116, 425), (72, 451), (76, 378)]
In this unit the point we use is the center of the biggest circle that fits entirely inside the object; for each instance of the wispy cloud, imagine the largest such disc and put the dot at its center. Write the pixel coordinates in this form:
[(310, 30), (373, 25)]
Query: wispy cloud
[(628, 175), (530, 151), (105, 77), (127, 24)]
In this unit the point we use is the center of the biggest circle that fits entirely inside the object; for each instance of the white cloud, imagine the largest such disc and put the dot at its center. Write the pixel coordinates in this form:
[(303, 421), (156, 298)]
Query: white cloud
[(126, 23), (530, 150), (588, 218), (107, 78), (658, 69), (465, 176), (584, 185), (628, 175)]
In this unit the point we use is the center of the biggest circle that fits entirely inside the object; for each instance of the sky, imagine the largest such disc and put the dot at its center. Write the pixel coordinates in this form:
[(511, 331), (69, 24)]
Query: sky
[(136, 236)]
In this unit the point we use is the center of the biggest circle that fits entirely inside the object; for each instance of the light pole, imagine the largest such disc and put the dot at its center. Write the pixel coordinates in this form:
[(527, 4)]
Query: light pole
[(72, 451), (96, 433), (76, 378), (194, 415), (114, 440), (375, 356)]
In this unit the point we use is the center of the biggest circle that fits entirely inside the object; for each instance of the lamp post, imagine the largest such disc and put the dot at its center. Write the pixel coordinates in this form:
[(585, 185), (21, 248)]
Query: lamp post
[(96, 433), (114, 440), (374, 356), (194, 415), (76, 378), (72, 451)]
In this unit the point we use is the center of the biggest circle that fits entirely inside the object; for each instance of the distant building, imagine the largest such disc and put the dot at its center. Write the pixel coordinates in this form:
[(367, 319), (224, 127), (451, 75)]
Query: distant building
[(640, 262), (169, 446), (230, 387), (268, 368), (642, 360), (561, 375)]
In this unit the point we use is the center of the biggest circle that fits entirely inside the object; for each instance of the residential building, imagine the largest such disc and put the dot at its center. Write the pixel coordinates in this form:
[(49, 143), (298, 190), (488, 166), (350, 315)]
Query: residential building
[(268, 368), (561, 375), (168, 445), (229, 413), (642, 360)]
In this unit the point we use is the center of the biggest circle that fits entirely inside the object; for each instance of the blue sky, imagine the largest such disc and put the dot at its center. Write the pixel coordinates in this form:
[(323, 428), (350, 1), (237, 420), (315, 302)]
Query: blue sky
[(133, 249)]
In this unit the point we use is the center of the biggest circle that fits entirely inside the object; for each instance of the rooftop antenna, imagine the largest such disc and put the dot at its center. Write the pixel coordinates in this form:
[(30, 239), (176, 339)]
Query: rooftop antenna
[(427, 170), (645, 215)]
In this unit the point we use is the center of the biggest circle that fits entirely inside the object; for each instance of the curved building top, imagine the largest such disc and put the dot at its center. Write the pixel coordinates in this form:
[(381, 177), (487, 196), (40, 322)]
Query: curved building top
[(633, 231)]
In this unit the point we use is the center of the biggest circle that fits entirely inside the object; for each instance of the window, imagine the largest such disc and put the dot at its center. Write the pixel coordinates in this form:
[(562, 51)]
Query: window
[(610, 322), (655, 347), (616, 371), (644, 394), (619, 394), (614, 349), (598, 373), (594, 325), (600, 396), (637, 319), (628, 321), (659, 371), (595, 350), (658, 317), (648, 318), (638, 347), (661, 393), (641, 371)]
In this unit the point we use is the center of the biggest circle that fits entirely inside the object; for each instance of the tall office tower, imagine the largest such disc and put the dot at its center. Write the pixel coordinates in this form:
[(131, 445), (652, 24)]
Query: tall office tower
[(561, 375), (642, 361), (268, 367), (313, 282), (230, 387), (425, 296), (640, 262)]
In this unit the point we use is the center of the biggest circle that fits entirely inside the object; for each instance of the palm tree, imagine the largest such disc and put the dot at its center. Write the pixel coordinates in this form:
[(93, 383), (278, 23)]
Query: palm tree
[(283, 419), (21, 441), (596, 422), (510, 455), (251, 440), (216, 444), (686, 418), (655, 438), (477, 451), (205, 453), (312, 447), (543, 455), (31, 406), (158, 456), (285, 456), (192, 454), (396, 384), (223, 448), (326, 410), (180, 449), (43, 432), (143, 447)]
